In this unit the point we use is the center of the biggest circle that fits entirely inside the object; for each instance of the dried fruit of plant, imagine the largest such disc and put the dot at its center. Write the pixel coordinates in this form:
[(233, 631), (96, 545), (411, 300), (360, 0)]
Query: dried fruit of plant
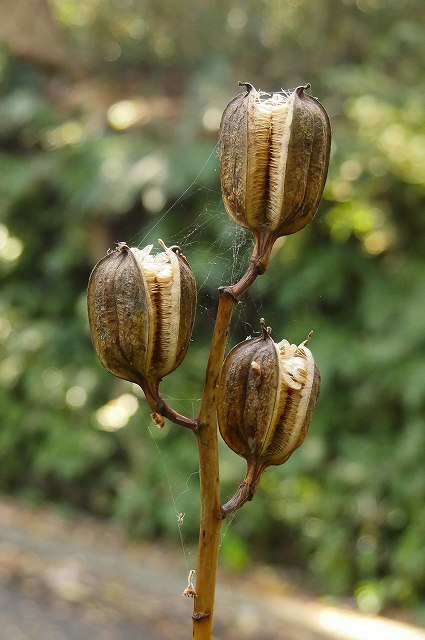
[(267, 396), (274, 157), (274, 160), (141, 312)]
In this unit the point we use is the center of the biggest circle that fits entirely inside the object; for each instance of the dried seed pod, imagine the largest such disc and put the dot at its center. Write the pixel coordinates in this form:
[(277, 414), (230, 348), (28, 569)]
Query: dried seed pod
[(141, 312), (267, 396), (274, 157)]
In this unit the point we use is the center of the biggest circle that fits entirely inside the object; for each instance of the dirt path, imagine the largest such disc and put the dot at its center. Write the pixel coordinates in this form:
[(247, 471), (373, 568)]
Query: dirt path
[(63, 580)]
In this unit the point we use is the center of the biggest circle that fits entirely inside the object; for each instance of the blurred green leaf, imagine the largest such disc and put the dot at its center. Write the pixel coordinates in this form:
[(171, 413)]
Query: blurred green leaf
[(122, 145)]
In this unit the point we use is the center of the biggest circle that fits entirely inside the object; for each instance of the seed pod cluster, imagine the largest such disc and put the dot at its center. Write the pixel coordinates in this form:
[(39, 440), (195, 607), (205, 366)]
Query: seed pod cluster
[(267, 395), (141, 312), (274, 157)]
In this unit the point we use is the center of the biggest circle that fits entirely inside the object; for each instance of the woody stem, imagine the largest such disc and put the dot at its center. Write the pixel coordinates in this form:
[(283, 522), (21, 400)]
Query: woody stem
[(161, 408), (211, 514), (245, 492)]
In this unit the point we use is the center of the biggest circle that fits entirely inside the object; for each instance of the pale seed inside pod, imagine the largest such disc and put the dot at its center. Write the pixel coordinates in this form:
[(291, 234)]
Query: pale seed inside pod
[(295, 402), (162, 273), (269, 126)]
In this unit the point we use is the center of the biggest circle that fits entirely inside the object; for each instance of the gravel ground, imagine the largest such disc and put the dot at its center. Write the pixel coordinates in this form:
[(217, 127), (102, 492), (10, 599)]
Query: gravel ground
[(81, 579)]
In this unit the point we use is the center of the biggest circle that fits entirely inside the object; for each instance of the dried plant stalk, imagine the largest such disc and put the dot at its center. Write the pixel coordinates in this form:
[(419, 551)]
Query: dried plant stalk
[(274, 155), (211, 513)]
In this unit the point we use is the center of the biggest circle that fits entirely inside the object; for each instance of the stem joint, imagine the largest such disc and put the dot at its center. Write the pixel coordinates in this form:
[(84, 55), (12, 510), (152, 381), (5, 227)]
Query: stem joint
[(227, 291), (200, 615)]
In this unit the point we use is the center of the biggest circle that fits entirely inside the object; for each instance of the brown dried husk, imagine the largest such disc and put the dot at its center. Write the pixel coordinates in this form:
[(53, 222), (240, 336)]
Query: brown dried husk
[(274, 159), (263, 416), (119, 312), (140, 324)]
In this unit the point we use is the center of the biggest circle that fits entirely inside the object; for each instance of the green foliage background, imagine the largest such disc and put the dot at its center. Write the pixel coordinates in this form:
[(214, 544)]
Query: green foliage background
[(108, 119)]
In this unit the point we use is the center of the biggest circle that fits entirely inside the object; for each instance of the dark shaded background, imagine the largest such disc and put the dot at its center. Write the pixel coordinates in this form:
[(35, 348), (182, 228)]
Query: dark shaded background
[(109, 114)]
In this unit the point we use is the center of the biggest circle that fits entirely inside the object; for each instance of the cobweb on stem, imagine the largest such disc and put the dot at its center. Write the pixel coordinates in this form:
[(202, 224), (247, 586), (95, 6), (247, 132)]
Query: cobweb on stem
[(218, 252)]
